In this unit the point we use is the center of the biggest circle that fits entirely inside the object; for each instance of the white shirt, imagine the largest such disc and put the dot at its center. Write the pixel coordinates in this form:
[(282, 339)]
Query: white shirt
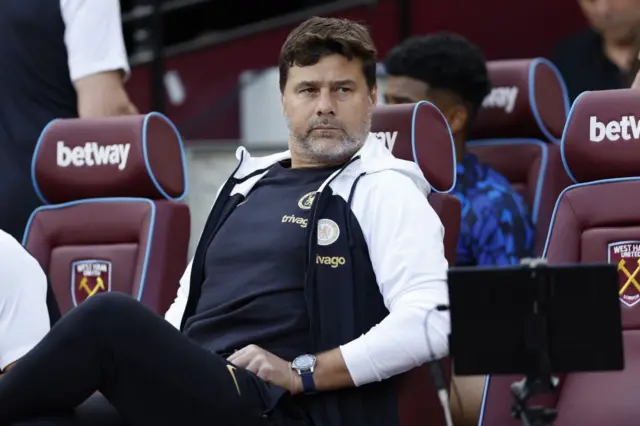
[(24, 317), (93, 36)]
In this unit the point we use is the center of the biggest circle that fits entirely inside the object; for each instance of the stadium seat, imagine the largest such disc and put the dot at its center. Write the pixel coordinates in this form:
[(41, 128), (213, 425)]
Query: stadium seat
[(591, 224), (518, 130), (419, 132), (112, 218)]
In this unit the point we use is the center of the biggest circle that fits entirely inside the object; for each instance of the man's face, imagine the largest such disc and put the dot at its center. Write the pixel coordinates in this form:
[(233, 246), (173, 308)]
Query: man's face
[(616, 20), (405, 90), (408, 90), (328, 109)]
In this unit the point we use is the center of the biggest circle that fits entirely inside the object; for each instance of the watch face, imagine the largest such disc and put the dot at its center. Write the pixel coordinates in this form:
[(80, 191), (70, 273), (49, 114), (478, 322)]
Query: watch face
[(304, 362)]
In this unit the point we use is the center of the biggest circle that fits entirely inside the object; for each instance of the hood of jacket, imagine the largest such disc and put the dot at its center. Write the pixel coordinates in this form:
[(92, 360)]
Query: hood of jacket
[(373, 157)]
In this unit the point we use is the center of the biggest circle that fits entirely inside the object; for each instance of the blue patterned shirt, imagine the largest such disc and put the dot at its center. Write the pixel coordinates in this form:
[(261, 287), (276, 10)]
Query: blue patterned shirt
[(496, 226)]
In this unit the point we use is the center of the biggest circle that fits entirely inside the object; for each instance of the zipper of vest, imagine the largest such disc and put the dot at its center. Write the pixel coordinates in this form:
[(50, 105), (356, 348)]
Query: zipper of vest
[(312, 238)]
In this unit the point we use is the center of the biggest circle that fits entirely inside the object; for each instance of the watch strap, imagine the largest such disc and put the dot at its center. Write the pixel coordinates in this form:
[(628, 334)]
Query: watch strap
[(308, 385)]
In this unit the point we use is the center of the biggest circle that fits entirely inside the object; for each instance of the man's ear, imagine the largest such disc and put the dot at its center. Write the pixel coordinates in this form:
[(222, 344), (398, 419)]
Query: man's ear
[(374, 94), (457, 116)]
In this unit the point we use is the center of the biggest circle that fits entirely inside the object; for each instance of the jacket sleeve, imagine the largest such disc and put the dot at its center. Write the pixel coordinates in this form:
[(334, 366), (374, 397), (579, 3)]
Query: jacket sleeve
[(176, 310), (503, 233), (405, 241), (93, 37), (24, 317)]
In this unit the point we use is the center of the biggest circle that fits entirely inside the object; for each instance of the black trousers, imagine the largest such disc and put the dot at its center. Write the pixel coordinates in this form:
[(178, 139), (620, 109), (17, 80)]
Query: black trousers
[(149, 371), (96, 411)]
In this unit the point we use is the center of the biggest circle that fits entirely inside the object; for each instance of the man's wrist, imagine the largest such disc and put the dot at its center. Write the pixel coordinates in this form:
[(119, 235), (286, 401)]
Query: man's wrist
[(298, 388), (304, 367)]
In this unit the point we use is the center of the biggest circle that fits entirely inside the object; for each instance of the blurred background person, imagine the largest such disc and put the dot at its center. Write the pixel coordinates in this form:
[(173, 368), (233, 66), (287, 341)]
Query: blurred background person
[(603, 56), (60, 59), (449, 71)]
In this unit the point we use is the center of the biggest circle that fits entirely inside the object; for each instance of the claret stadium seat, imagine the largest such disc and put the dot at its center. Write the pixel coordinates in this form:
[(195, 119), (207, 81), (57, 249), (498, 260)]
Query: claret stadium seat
[(112, 218), (595, 220), (420, 133), (518, 130)]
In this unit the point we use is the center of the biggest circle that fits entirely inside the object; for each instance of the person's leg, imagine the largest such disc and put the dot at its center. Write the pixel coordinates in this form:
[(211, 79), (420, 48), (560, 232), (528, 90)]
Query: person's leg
[(149, 371), (96, 411)]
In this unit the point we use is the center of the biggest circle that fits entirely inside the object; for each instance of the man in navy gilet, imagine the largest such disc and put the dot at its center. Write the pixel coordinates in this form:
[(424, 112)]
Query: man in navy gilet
[(58, 59), (318, 276)]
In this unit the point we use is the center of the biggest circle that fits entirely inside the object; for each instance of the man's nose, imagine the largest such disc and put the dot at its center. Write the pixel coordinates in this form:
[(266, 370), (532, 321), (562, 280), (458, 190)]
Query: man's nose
[(325, 104), (603, 8)]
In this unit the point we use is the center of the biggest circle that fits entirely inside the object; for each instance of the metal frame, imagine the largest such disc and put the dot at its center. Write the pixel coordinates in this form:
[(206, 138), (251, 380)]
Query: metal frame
[(144, 12)]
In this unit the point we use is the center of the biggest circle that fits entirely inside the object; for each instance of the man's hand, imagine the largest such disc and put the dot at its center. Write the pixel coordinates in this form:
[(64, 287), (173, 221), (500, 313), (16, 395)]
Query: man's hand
[(103, 95), (636, 82), (268, 367)]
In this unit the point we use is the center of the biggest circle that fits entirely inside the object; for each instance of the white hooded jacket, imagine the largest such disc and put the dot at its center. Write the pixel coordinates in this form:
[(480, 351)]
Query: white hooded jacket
[(404, 240)]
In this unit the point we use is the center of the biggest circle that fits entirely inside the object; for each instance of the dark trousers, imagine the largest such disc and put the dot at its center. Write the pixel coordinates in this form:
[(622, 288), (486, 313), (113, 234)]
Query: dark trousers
[(149, 371), (96, 411)]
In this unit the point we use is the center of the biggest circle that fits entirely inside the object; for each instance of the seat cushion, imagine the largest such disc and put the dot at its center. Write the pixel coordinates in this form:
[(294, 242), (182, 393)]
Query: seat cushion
[(113, 244)]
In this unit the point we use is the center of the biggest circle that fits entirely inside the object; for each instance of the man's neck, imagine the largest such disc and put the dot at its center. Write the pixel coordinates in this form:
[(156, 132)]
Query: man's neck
[(621, 51), (301, 163)]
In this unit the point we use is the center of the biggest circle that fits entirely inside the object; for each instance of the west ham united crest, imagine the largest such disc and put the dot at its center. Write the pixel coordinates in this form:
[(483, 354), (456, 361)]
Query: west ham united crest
[(88, 278), (626, 255)]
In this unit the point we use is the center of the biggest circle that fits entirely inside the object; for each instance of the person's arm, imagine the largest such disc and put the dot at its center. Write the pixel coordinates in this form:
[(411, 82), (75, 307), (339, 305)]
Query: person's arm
[(176, 311), (97, 58), (24, 317), (405, 240), (503, 234), (636, 81)]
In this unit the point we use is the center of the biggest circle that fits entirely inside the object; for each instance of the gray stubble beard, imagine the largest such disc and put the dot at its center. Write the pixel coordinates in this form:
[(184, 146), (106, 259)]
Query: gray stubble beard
[(340, 151)]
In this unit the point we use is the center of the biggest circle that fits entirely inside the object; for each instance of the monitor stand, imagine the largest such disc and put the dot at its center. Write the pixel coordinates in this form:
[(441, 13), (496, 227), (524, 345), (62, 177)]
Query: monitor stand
[(539, 379)]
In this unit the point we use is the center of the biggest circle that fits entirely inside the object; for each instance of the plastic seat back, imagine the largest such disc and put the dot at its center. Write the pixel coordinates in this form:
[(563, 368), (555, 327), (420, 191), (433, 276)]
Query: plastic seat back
[(113, 219), (518, 131), (420, 133), (595, 220)]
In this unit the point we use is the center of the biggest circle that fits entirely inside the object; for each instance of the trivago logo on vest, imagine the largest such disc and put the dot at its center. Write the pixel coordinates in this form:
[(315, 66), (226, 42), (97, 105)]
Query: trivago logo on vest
[(93, 154), (627, 128)]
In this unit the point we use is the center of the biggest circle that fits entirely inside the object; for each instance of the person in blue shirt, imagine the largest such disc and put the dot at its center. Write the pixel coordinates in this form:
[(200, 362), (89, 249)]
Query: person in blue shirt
[(450, 72)]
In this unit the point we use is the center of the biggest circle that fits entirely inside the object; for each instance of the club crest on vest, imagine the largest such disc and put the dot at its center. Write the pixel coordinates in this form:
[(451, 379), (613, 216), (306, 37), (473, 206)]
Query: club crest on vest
[(88, 278), (306, 201), (626, 256), (328, 232)]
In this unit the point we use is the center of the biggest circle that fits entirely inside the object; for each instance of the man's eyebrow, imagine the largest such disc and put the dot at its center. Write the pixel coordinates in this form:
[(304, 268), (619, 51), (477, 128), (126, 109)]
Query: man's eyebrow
[(345, 82), (307, 83), (400, 99), (316, 83)]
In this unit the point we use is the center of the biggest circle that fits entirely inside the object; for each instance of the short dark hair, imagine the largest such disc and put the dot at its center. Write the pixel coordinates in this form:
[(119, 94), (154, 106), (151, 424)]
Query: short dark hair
[(444, 61), (318, 37)]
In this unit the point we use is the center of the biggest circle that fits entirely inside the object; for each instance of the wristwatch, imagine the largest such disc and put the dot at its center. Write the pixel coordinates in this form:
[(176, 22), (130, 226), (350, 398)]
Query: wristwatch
[(304, 366)]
